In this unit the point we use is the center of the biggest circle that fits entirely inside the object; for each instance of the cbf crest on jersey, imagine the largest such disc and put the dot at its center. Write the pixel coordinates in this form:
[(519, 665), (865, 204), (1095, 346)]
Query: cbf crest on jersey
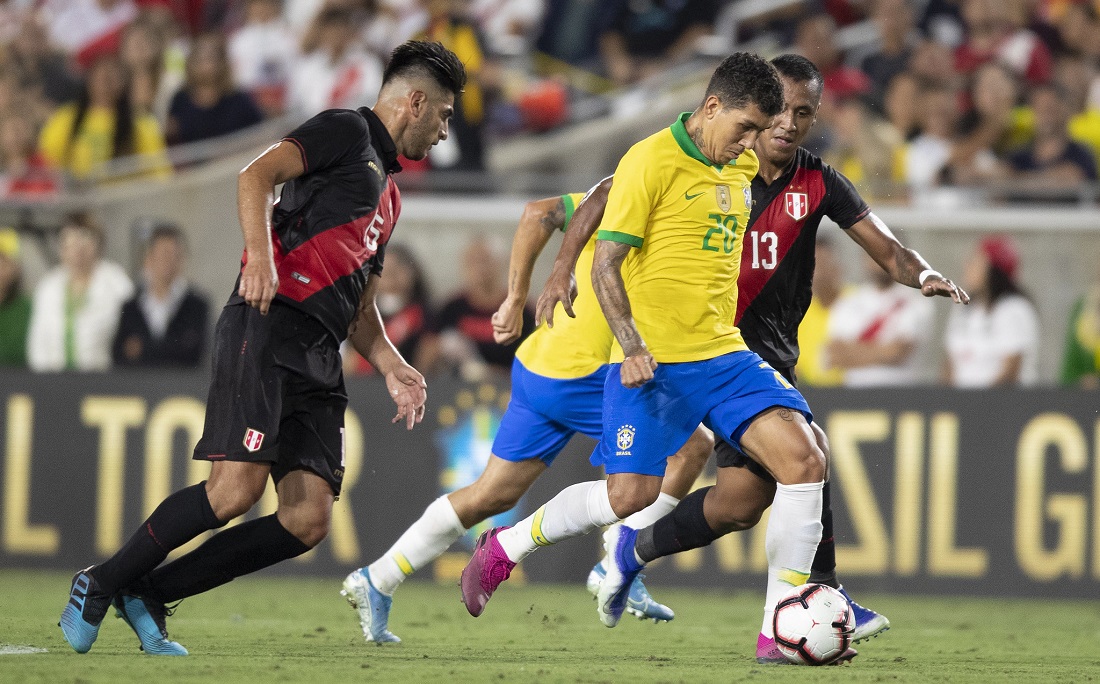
[(624, 439), (722, 194), (746, 190), (797, 205)]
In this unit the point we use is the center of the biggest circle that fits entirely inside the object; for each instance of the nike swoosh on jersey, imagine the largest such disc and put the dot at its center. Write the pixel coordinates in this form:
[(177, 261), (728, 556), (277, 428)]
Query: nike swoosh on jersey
[(691, 197)]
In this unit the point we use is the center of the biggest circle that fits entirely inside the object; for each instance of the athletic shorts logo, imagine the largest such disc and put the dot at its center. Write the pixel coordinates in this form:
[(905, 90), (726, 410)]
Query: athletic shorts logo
[(722, 194), (798, 205), (253, 439), (624, 440)]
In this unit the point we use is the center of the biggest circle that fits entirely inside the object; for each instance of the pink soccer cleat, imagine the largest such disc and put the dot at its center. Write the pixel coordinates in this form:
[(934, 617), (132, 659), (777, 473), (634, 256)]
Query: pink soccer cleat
[(767, 653), (488, 567)]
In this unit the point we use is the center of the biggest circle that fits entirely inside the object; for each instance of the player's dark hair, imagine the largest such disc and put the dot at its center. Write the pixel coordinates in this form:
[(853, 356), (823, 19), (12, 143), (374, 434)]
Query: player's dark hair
[(800, 70), (430, 59), (743, 79)]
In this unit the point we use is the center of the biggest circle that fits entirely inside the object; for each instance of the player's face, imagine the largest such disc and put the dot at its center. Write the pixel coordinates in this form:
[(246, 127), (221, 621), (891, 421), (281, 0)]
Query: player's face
[(779, 143), (728, 132), (430, 123)]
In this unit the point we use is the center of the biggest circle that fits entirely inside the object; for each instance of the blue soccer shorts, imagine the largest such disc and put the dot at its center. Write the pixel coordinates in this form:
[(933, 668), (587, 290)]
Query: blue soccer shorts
[(544, 413), (642, 427)]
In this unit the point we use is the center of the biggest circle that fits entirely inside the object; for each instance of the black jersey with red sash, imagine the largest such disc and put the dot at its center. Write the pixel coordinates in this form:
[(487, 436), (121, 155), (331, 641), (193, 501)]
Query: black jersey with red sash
[(331, 224), (777, 259)]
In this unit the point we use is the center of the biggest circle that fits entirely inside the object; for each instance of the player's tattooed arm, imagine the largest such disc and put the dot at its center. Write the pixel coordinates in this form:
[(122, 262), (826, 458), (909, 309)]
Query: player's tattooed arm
[(903, 264), (561, 286), (607, 280), (541, 219)]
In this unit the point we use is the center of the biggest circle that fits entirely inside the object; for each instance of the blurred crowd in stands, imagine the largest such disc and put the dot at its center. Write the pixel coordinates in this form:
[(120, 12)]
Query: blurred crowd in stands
[(936, 97), (87, 315), (920, 94)]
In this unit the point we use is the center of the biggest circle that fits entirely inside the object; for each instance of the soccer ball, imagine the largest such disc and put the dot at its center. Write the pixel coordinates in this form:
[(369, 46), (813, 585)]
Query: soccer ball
[(813, 624)]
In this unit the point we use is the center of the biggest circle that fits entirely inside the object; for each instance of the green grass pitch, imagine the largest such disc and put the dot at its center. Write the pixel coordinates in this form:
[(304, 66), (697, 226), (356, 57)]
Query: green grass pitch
[(301, 630)]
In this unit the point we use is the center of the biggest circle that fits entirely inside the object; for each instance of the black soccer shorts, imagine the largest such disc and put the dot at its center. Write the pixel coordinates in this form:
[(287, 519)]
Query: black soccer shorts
[(728, 456), (277, 394)]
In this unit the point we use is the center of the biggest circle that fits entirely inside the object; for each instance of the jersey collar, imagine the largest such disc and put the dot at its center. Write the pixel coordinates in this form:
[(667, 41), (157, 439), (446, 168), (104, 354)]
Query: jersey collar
[(381, 140), (679, 132)]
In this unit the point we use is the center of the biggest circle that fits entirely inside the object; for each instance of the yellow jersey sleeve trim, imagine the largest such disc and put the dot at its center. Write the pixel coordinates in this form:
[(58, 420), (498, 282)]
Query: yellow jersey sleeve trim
[(570, 207), (615, 236)]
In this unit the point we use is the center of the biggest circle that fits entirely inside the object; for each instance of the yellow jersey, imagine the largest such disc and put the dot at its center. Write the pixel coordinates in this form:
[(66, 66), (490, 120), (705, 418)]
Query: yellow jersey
[(812, 338), (574, 347), (94, 144), (686, 218)]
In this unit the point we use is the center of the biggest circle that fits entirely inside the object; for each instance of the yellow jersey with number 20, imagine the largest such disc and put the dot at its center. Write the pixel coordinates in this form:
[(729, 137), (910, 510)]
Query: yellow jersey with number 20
[(686, 218), (574, 347)]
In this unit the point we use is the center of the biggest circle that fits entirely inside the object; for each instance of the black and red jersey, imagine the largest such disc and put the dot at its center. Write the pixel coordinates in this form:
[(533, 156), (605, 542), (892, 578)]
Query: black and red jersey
[(777, 259), (331, 224)]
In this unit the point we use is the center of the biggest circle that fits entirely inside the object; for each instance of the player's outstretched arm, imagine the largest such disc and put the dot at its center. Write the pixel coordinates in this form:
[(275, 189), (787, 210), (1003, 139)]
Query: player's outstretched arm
[(904, 265), (406, 385), (561, 286), (255, 198), (607, 281), (541, 219)]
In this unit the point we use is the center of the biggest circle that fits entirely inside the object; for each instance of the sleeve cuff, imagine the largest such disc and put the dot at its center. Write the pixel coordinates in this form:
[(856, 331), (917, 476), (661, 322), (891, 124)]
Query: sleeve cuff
[(570, 207), (615, 236)]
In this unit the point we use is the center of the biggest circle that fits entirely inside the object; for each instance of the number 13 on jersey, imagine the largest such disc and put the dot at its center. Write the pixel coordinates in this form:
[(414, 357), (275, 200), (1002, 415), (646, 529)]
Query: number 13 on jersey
[(764, 246)]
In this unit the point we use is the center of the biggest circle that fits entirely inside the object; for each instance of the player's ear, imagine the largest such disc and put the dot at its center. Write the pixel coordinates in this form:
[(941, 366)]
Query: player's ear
[(418, 103), (711, 106)]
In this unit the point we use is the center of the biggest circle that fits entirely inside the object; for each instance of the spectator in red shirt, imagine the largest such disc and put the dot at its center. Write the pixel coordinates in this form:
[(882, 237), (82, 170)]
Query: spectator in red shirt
[(23, 171), (814, 41), (991, 34)]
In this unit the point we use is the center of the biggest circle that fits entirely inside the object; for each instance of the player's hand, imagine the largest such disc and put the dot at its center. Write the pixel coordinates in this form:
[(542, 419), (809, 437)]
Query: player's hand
[(259, 282), (410, 392), (560, 288), (508, 322), (938, 286), (638, 369)]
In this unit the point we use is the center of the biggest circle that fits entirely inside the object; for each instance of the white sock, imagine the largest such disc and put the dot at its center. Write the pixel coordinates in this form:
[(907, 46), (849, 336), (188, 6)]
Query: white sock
[(653, 512), (794, 531), (646, 517), (424, 541), (576, 510)]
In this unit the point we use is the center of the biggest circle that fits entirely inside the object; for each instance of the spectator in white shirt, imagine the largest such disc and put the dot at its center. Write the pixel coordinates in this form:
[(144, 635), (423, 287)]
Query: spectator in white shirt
[(262, 53), (876, 331), (994, 341), (75, 309), (339, 73)]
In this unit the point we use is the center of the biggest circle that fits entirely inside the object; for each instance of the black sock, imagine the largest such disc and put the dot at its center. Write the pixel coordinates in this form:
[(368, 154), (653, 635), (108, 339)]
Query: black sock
[(823, 569), (684, 528), (224, 557), (177, 520)]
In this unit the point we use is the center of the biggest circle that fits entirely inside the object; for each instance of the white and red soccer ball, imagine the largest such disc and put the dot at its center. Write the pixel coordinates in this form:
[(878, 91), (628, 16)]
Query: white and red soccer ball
[(813, 624)]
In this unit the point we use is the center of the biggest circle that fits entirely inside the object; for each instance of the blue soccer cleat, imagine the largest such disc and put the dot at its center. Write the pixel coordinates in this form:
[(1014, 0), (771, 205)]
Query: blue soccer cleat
[(146, 617), (372, 605), (639, 603), (868, 622), (84, 613), (622, 569)]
